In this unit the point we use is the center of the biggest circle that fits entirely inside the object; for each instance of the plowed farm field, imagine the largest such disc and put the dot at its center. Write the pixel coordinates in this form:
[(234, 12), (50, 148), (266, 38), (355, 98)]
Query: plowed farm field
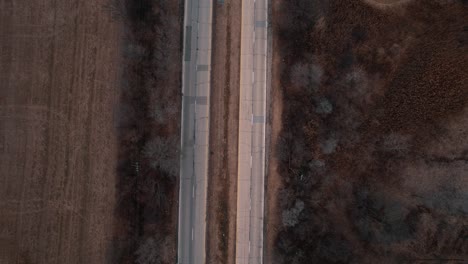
[(58, 90)]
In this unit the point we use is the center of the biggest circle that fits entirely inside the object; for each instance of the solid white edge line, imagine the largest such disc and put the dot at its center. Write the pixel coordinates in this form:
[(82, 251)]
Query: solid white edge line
[(264, 129)]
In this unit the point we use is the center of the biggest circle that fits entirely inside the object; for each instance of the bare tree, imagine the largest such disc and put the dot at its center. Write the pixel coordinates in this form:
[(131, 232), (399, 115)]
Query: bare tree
[(163, 111), (329, 145), (291, 216), (306, 75), (163, 153), (323, 106)]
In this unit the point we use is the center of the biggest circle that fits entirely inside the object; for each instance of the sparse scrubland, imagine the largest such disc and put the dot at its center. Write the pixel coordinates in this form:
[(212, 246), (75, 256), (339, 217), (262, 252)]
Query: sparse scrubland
[(373, 151), (148, 128)]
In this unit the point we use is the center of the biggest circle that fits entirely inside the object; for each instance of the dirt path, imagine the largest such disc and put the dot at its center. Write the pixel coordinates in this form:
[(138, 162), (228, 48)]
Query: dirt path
[(273, 180), (58, 65), (222, 194), (385, 4)]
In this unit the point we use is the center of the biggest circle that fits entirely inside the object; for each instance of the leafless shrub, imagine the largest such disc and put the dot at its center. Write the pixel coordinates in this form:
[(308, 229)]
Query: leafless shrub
[(291, 151), (306, 75), (329, 145), (323, 106), (358, 83), (162, 112), (396, 143), (147, 252), (291, 216)]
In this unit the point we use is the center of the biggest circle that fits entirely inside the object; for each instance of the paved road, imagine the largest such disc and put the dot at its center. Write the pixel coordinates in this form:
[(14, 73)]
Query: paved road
[(250, 199), (195, 124)]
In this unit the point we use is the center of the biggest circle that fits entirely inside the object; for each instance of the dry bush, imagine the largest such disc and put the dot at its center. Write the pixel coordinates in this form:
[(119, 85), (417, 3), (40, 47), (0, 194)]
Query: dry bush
[(162, 153)]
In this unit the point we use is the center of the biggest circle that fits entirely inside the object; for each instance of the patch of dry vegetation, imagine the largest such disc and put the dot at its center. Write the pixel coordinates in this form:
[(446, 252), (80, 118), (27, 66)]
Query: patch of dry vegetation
[(149, 128), (368, 98)]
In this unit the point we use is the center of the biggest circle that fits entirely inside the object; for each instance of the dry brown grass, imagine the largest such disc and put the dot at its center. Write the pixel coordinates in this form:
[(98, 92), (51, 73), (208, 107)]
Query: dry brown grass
[(224, 123)]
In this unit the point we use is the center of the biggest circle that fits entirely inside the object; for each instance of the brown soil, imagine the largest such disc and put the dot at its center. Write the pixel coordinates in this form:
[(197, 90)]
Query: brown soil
[(58, 67), (224, 123)]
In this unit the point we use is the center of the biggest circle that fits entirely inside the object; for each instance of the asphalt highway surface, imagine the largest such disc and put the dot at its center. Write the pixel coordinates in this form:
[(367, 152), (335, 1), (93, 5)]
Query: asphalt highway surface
[(194, 129), (252, 115), (195, 124)]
